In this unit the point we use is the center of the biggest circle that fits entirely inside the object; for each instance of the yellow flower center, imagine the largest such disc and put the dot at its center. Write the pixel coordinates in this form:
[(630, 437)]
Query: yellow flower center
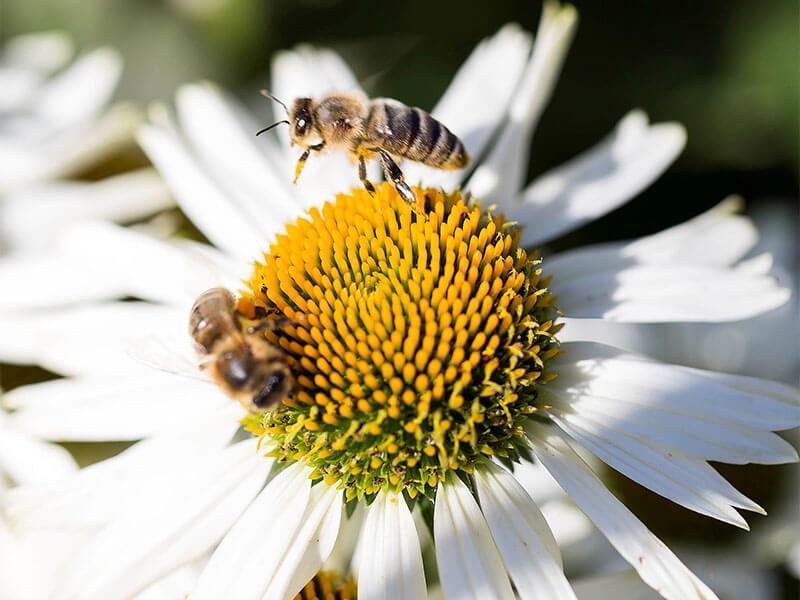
[(417, 339), (328, 586)]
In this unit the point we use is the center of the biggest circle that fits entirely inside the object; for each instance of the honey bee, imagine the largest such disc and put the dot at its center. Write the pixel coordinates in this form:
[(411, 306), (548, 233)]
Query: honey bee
[(366, 128), (243, 363)]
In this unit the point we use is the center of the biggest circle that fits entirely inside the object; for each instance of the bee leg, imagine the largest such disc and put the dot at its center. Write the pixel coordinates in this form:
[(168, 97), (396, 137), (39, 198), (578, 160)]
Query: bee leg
[(301, 162), (362, 175), (394, 173), (269, 324)]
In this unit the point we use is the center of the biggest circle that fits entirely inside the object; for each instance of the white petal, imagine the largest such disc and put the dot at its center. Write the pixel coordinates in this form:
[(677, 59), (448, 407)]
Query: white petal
[(85, 145), (199, 196), (19, 577), (477, 100), (523, 538), (764, 346), (717, 237), (312, 543), (311, 72), (176, 520), (469, 563), (43, 51), (590, 369), (656, 564), (757, 265), (67, 151), (243, 564), (177, 584), (390, 558), (539, 484), (784, 397), (597, 181), (52, 551), (79, 149), (688, 481), (210, 264), (131, 263), (25, 63), (662, 293), (28, 460), (60, 278), (95, 495), (325, 175), (85, 340), (32, 215), (570, 526), (113, 409), (707, 438), (329, 64), (502, 174), (146, 267), (344, 557), (82, 90), (214, 126), (18, 85)]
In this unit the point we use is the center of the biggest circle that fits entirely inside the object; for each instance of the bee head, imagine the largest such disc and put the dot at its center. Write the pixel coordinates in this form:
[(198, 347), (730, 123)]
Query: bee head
[(301, 121), (235, 368), (255, 375)]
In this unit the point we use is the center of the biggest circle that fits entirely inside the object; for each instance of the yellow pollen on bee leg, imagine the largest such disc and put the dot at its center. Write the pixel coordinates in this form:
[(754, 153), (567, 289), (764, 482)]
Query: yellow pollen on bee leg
[(417, 339)]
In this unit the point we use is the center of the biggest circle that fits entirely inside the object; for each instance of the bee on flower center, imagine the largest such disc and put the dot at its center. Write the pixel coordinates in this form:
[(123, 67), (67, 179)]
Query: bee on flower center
[(241, 361), (382, 128)]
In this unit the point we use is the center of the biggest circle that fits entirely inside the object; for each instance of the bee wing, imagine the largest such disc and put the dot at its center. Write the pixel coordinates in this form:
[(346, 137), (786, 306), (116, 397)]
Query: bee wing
[(206, 268), (160, 354)]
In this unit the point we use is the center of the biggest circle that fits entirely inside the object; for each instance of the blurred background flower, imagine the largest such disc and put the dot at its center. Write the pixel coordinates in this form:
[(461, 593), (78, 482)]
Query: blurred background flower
[(728, 70), (54, 119), (57, 121)]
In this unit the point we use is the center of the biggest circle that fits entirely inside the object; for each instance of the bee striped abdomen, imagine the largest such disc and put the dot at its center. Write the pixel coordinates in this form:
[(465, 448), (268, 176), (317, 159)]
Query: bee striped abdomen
[(413, 134)]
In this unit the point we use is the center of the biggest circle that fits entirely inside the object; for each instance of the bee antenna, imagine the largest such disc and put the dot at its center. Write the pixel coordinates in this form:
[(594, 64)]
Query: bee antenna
[(271, 126), (268, 94)]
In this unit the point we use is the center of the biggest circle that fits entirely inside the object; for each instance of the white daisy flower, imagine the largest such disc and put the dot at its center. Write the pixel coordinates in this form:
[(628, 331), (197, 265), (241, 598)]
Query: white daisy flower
[(423, 345), (55, 121)]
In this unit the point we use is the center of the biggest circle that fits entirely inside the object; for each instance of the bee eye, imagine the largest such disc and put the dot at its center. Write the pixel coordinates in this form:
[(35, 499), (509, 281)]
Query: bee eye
[(234, 368), (271, 392), (302, 121)]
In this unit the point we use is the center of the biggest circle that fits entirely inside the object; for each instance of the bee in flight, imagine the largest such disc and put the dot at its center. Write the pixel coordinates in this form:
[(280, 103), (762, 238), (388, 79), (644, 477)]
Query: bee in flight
[(365, 128), (241, 361)]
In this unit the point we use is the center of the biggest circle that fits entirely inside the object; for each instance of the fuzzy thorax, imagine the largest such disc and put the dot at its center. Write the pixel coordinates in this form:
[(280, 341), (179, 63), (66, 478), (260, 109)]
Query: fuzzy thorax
[(418, 339)]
